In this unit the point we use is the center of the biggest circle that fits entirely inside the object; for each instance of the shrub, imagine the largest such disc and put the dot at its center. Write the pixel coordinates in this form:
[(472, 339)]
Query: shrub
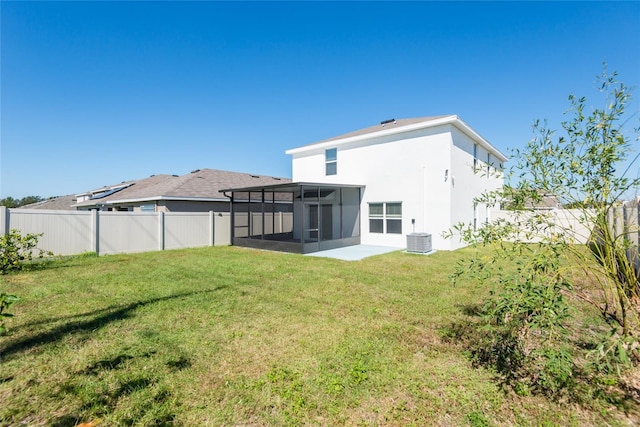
[(16, 249)]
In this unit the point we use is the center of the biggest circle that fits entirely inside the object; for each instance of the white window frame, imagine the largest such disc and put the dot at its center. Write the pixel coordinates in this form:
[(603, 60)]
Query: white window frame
[(385, 216), (331, 160), (475, 216), (475, 158), (488, 165)]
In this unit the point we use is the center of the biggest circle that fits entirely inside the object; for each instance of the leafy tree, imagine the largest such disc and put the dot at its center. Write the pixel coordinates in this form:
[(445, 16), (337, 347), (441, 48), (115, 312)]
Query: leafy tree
[(586, 168), (10, 202), (30, 200)]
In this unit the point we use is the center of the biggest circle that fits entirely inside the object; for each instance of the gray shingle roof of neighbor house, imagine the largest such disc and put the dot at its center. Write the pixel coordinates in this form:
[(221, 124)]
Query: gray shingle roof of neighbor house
[(394, 126), (201, 184), (55, 203)]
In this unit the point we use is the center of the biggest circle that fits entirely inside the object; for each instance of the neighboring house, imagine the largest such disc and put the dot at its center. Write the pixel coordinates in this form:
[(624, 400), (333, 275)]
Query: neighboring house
[(548, 201), (198, 191), (54, 203), (377, 185)]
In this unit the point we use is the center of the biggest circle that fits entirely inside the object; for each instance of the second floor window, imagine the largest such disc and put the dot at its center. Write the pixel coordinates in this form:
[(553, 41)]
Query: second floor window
[(331, 161)]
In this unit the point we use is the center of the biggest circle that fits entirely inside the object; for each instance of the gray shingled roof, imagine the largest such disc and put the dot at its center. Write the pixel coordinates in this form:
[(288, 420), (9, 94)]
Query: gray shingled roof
[(397, 123), (60, 203), (199, 184)]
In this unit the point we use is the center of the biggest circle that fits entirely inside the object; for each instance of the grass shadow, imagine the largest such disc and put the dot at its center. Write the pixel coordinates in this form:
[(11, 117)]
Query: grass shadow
[(179, 364), (100, 403), (107, 309), (107, 364), (473, 310), (65, 421), (104, 317)]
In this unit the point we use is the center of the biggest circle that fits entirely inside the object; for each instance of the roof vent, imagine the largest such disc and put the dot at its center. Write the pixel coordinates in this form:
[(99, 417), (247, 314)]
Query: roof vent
[(386, 122)]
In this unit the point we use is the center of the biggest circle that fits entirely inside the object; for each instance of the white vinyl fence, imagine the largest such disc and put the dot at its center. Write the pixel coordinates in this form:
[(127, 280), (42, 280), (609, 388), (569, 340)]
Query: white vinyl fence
[(568, 222), (624, 221), (75, 232)]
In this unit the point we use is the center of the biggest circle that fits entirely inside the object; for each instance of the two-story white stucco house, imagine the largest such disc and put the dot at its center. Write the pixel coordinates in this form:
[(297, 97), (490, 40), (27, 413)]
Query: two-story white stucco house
[(405, 176)]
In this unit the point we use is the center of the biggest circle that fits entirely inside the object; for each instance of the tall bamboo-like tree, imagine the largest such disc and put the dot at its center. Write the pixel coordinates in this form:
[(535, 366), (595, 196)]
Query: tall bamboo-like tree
[(592, 168)]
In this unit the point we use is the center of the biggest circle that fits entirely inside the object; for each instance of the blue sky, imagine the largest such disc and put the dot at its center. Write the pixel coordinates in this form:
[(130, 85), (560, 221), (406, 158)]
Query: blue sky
[(95, 93)]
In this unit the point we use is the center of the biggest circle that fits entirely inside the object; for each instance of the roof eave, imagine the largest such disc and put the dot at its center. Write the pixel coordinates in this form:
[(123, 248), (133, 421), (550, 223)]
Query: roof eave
[(452, 119), (275, 187), (460, 124), (380, 133), (151, 199)]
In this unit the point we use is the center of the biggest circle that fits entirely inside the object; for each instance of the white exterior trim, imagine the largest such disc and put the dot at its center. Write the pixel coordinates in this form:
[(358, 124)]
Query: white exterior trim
[(453, 119)]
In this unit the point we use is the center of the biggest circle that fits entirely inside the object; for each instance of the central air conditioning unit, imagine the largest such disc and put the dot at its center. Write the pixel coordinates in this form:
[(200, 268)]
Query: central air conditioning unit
[(419, 243)]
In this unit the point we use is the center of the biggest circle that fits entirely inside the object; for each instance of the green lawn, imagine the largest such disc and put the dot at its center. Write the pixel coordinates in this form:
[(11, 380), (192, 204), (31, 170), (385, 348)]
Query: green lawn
[(239, 337)]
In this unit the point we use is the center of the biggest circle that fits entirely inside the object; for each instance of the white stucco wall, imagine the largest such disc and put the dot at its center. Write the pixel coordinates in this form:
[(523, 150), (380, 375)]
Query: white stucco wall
[(468, 184), (429, 170), (407, 168)]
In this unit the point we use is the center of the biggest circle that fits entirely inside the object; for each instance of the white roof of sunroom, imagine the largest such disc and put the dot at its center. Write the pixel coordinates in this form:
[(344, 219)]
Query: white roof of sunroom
[(288, 187)]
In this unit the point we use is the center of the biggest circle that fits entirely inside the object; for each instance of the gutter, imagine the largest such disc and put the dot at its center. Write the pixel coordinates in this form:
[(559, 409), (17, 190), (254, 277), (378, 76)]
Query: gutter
[(152, 199)]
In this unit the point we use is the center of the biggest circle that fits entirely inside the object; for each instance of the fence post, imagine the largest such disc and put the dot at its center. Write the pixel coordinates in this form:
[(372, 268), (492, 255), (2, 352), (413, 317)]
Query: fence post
[(610, 220), (212, 228), (95, 231), (632, 220), (637, 221), (161, 231), (625, 223), (4, 220)]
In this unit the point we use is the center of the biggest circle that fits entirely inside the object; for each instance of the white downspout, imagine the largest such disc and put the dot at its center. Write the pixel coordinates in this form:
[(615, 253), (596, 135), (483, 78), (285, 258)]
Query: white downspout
[(423, 197)]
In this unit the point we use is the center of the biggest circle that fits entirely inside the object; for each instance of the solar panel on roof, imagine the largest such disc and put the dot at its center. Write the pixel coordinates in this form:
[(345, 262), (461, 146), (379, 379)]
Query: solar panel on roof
[(108, 193)]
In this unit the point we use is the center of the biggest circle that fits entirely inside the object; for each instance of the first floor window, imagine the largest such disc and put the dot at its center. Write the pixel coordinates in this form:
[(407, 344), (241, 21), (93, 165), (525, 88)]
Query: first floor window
[(393, 214), (376, 217), (385, 217)]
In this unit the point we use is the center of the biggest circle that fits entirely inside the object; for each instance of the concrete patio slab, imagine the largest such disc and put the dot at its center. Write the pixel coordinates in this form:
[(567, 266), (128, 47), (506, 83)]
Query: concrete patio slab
[(354, 253)]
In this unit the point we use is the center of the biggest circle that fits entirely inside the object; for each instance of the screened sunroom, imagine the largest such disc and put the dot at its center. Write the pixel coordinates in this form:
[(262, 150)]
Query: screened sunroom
[(295, 217)]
